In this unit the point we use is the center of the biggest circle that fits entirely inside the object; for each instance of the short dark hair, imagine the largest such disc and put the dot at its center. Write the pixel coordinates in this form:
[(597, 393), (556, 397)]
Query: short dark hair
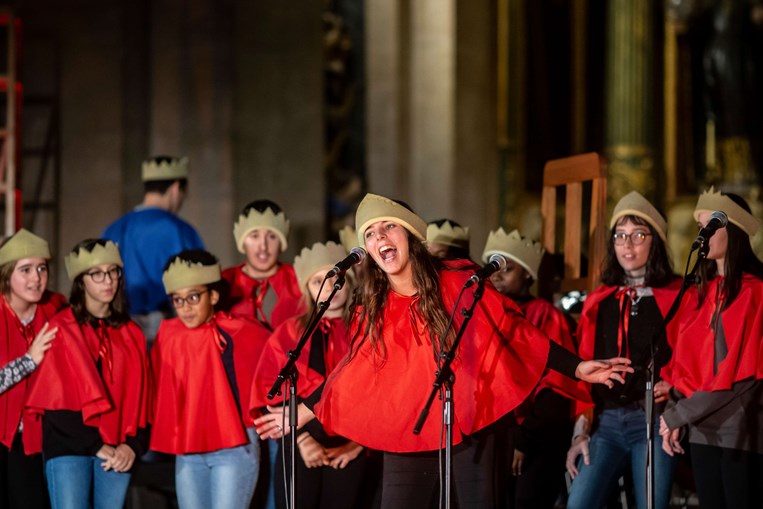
[(161, 186), (261, 206), (206, 259)]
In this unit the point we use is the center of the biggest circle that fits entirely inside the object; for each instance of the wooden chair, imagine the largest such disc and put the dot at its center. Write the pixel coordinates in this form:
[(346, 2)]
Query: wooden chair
[(572, 173)]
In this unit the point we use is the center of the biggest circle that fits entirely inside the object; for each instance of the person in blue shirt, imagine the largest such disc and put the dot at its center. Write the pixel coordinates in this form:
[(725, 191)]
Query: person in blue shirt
[(149, 235)]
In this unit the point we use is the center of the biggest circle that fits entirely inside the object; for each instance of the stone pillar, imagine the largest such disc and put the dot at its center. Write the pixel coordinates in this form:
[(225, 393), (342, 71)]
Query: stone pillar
[(431, 109), (629, 109), (91, 128), (387, 97), (278, 114)]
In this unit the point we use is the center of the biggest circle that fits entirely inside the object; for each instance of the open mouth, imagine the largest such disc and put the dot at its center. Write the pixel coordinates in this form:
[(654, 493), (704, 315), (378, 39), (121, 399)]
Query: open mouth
[(387, 252)]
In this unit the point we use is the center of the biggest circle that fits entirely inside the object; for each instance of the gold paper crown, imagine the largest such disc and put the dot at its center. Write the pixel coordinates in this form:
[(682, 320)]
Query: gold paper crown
[(348, 238), (712, 200), (81, 260), (634, 204), (376, 208), (183, 274), (23, 244), (523, 251), (455, 236), (255, 220), (311, 259), (168, 169)]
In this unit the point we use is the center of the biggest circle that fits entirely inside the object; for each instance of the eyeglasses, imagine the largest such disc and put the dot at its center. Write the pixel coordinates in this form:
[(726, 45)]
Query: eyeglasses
[(637, 238), (99, 276), (192, 299)]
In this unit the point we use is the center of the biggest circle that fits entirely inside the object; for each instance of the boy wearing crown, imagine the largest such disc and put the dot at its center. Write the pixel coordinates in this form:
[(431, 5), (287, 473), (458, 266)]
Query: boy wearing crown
[(538, 443), (149, 234), (203, 364), (262, 288)]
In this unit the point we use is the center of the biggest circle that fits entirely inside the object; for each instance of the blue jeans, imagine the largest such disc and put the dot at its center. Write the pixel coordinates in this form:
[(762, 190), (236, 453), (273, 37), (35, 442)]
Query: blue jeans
[(223, 479), (73, 480), (621, 439)]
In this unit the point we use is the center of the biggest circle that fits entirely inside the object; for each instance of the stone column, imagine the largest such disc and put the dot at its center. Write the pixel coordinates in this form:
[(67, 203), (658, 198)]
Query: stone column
[(630, 108), (278, 114)]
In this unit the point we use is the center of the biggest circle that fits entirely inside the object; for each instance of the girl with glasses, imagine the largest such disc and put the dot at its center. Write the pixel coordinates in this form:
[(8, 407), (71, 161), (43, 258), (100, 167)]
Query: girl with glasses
[(619, 318), (26, 306), (203, 362), (717, 366), (93, 388), (329, 468)]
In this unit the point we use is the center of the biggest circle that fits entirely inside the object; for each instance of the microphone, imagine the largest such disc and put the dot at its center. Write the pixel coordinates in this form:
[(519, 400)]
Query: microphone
[(718, 220), (497, 262), (356, 256)]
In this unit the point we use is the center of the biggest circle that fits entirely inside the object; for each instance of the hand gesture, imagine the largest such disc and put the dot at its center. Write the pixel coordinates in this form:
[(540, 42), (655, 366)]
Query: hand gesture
[(41, 343), (106, 452), (272, 425), (313, 453), (122, 460), (516, 463), (671, 439), (579, 446), (604, 371), (661, 391), (341, 456)]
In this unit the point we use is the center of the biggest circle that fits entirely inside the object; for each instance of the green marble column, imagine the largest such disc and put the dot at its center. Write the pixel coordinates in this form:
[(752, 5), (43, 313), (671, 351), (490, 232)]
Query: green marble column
[(630, 106)]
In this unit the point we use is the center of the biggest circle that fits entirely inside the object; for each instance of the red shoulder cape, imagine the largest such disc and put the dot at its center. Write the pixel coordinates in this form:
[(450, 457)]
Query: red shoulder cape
[(274, 356), (115, 402), (17, 341), (194, 410), (586, 333), (500, 361), (691, 367), (553, 324), (283, 283)]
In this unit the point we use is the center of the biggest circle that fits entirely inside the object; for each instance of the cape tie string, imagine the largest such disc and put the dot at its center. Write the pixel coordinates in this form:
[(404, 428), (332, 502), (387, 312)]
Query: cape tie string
[(326, 325), (104, 347), (220, 341), (26, 331), (258, 297), (418, 324), (625, 296), (720, 348)]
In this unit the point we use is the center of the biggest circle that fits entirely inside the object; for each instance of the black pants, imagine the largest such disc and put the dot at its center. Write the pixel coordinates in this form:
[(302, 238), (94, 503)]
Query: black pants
[(320, 487), (542, 478), (22, 482), (727, 478), (413, 480)]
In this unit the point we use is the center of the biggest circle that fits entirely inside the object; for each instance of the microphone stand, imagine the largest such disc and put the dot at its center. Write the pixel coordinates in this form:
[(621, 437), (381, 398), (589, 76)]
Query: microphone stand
[(289, 371), (446, 378), (649, 370)]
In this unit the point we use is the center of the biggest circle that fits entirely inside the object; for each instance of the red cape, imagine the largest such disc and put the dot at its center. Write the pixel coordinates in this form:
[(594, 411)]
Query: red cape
[(553, 324), (586, 333), (691, 367), (17, 341), (194, 410), (115, 402), (274, 356), (500, 361), (283, 283)]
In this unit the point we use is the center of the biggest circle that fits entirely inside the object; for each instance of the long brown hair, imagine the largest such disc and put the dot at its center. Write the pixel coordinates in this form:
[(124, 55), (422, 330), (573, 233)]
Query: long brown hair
[(372, 294)]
